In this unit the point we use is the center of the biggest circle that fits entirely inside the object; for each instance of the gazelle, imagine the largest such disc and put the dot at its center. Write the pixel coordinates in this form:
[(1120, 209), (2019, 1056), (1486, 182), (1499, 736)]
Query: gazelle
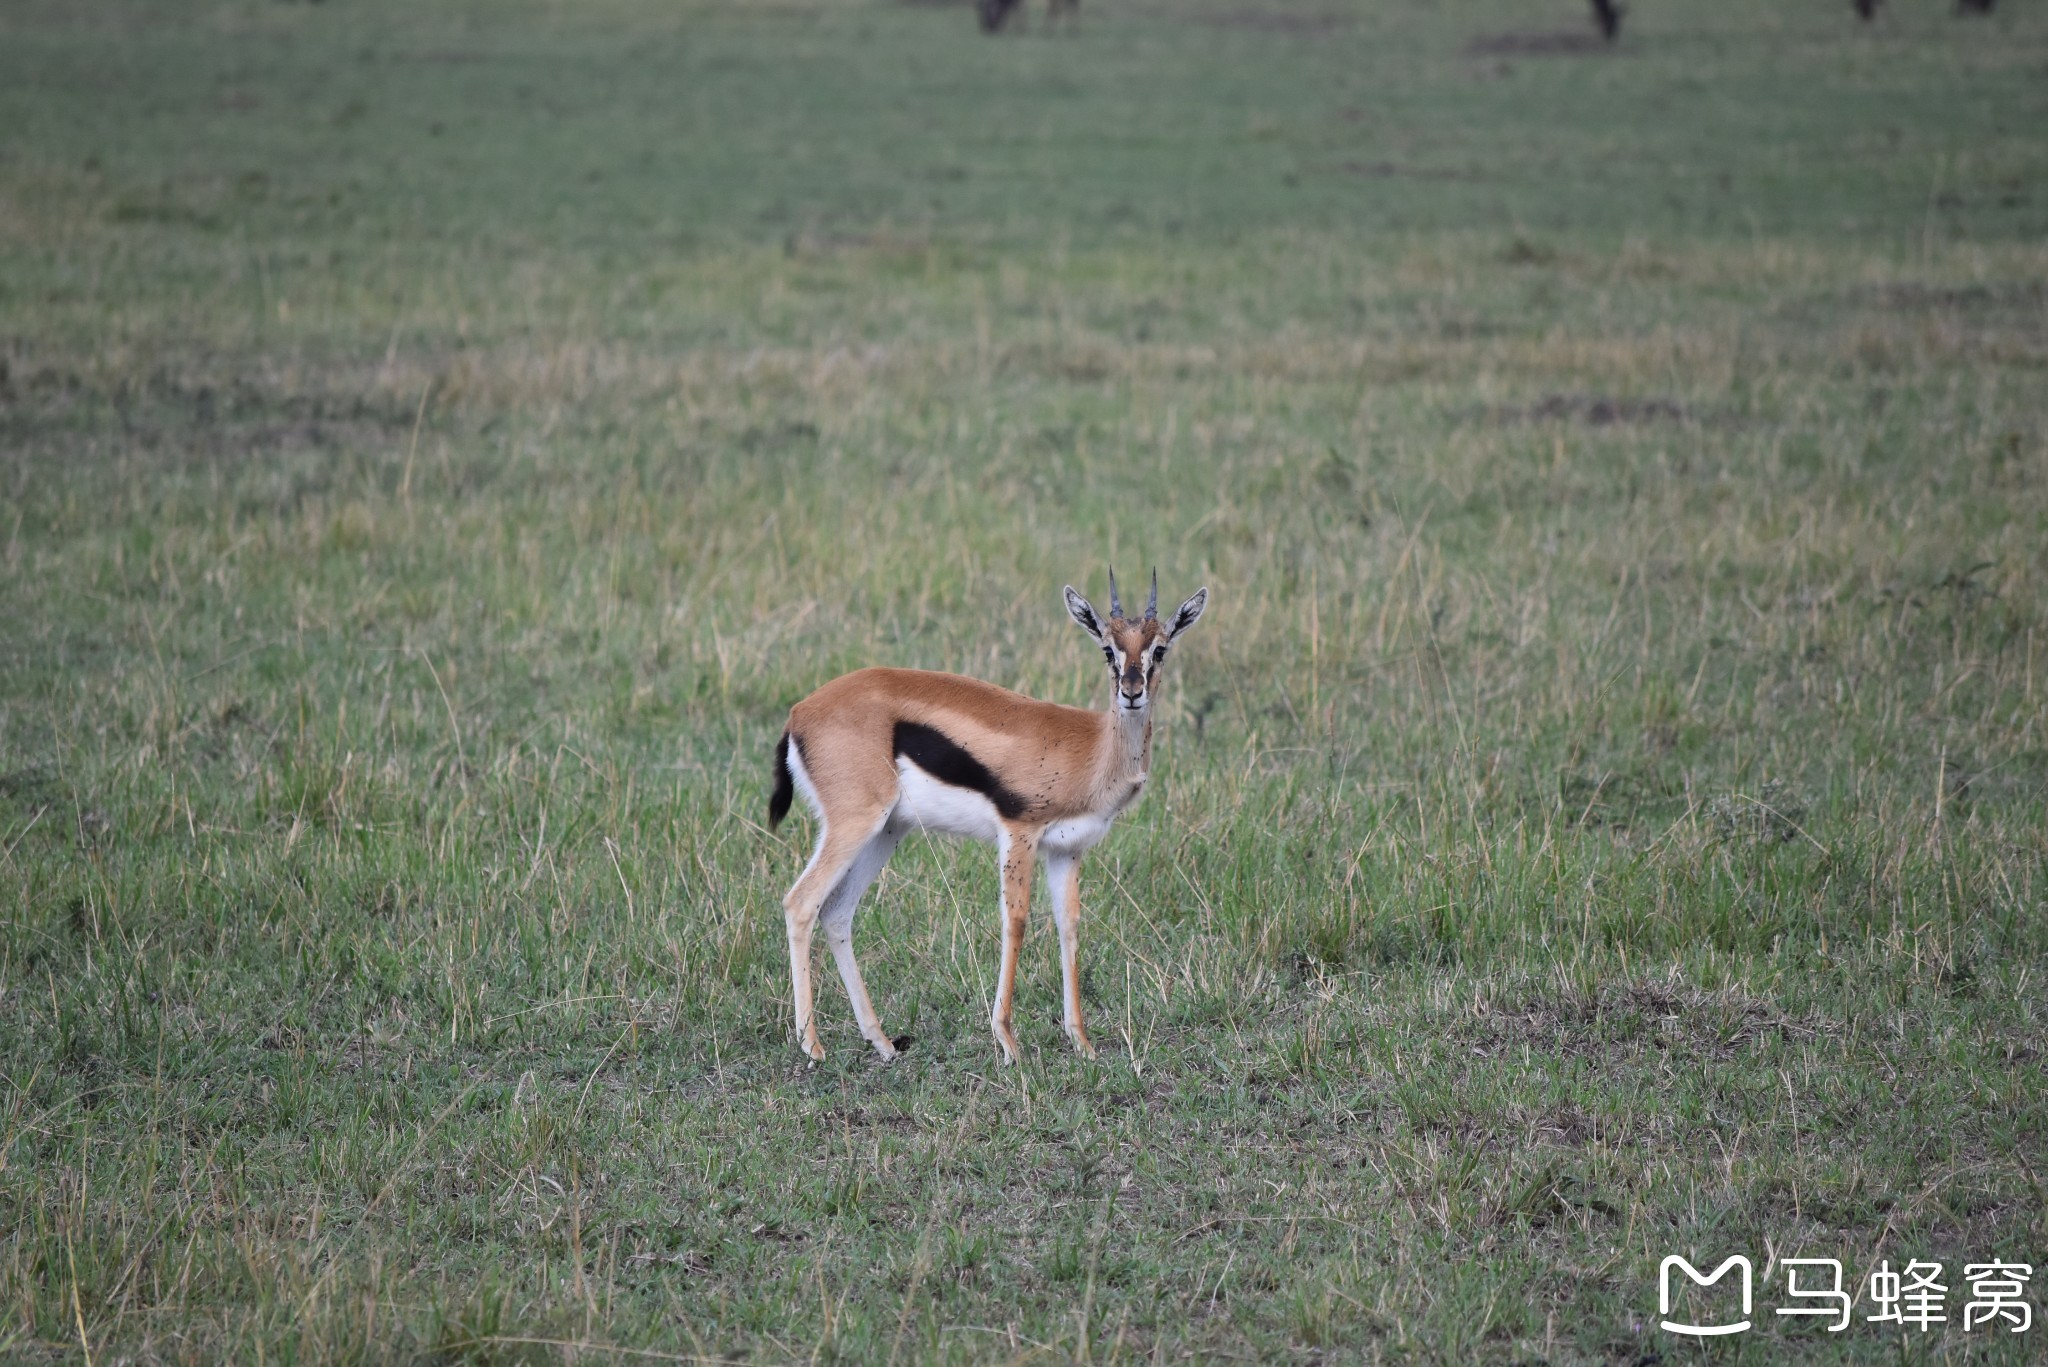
[(995, 13), (882, 752)]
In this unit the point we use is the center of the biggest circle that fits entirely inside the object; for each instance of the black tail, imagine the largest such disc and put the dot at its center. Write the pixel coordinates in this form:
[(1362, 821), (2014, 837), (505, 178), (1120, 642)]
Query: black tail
[(785, 788)]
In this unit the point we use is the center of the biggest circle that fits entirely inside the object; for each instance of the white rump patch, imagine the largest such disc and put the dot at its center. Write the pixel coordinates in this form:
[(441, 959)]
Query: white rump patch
[(810, 796)]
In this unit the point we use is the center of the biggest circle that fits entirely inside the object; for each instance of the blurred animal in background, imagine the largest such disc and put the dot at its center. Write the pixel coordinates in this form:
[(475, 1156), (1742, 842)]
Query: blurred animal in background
[(994, 14)]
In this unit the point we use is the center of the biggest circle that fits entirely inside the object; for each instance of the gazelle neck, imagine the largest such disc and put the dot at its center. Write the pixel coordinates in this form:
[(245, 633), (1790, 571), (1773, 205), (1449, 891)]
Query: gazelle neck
[(1130, 744)]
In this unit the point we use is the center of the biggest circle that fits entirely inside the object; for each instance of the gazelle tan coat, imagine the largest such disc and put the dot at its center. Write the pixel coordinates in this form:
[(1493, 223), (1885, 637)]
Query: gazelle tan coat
[(882, 752)]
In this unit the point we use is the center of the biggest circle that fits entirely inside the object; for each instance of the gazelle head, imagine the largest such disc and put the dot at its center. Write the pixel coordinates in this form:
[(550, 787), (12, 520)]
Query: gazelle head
[(1134, 647)]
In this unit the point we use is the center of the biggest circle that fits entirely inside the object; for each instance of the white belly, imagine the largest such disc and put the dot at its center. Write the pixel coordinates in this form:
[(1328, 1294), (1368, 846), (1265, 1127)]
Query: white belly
[(922, 802), (1075, 834)]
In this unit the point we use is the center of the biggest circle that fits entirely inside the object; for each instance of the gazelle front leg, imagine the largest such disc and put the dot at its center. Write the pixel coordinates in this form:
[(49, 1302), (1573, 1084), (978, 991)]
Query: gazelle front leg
[(1017, 853), (1063, 880)]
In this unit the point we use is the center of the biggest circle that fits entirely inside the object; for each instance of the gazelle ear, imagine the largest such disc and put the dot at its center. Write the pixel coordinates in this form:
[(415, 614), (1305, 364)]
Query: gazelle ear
[(1190, 612), (1083, 615)]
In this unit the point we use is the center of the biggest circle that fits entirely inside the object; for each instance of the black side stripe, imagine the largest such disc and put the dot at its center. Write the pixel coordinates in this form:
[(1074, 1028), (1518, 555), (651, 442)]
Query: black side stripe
[(934, 752)]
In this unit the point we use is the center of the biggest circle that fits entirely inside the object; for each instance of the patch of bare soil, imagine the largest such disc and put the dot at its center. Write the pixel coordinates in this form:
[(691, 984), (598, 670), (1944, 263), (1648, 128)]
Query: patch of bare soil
[(1388, 170), (1265, 21), (1594, 410), (2019, 300), (1537, 43), (1717, 1023), (54, 412)]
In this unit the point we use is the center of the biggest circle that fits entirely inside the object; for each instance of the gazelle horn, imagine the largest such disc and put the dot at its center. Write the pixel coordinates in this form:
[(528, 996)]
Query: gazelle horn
[(1116, 609), (1152, 607)]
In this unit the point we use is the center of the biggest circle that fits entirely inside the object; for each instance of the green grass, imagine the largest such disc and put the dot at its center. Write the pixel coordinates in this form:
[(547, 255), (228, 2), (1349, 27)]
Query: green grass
[(1602, 814)]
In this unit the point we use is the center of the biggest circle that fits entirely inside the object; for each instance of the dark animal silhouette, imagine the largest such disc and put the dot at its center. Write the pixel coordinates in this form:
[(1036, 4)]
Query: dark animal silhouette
[(1607, 14), (996, 13)]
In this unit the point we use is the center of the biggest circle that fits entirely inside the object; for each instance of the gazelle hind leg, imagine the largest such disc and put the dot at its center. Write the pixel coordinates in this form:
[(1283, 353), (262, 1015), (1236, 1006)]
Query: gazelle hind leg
[(1017, 852), (1063, 881), (837, 919), (835, 855)]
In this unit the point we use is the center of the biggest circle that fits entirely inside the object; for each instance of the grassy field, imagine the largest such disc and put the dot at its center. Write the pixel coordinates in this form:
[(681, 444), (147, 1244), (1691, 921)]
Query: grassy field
[(1603, 815)]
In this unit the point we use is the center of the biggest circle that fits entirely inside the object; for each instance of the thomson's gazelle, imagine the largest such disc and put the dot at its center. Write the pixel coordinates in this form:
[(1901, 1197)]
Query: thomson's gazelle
[(882, 752)]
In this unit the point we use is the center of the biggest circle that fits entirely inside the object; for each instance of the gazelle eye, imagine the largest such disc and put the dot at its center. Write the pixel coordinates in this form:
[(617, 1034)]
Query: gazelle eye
[(1159, 654)]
